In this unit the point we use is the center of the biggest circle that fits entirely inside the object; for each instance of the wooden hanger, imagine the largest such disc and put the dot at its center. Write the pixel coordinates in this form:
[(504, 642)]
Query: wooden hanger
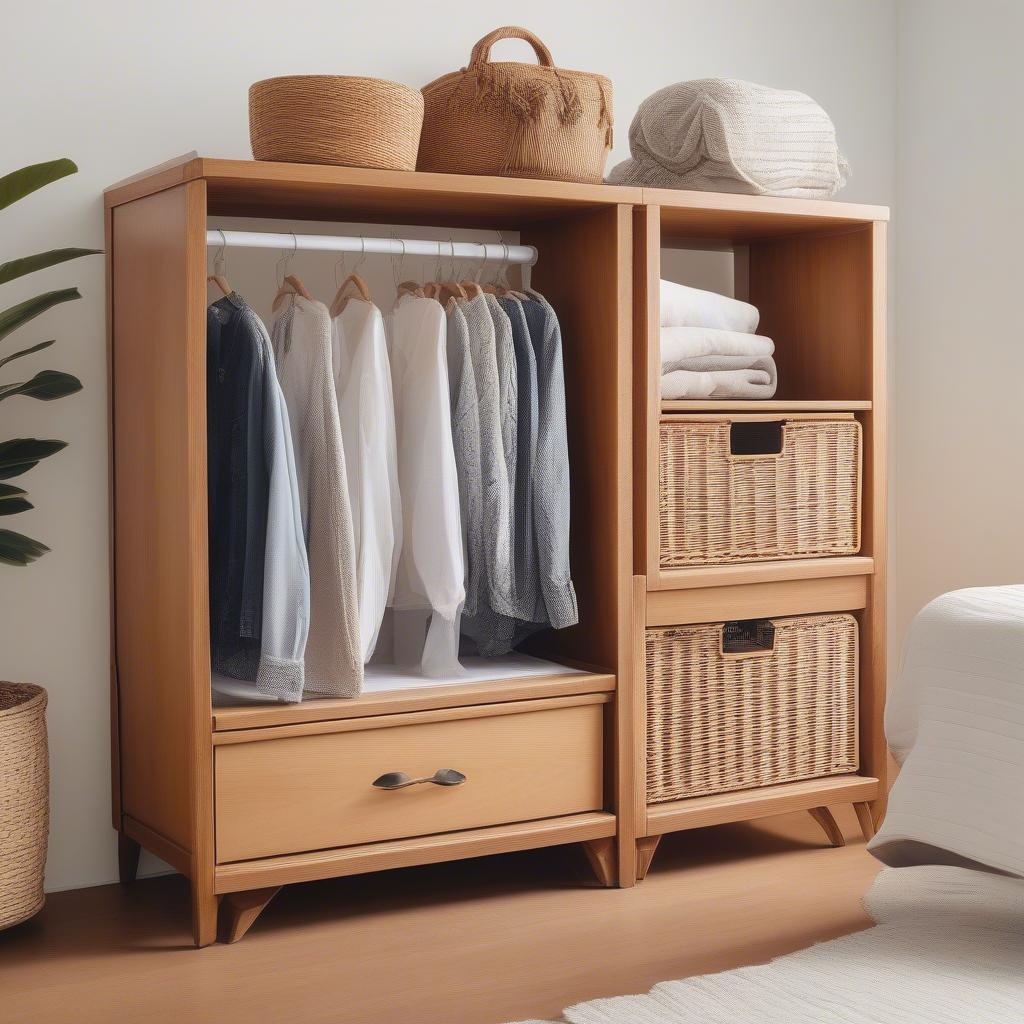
[(292, 285), (219, 266), (341, 299), (409, 288)]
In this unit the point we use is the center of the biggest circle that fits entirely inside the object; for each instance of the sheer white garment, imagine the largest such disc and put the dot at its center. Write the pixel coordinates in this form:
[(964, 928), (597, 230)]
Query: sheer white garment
[(301, 337), (362, 379), (431, 570)]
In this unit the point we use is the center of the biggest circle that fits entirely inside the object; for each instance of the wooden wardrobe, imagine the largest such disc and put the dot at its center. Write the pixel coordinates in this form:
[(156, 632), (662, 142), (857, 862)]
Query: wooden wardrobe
[(245, 799)]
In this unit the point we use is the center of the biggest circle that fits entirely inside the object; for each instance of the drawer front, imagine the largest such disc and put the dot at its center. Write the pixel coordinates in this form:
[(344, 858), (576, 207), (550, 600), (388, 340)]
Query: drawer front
[(311, 792)]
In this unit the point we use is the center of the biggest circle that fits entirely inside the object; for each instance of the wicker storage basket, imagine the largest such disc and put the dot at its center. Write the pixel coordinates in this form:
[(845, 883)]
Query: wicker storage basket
[(740, 705), (333, 119), (24, 801), (719, 504), (517, 120)]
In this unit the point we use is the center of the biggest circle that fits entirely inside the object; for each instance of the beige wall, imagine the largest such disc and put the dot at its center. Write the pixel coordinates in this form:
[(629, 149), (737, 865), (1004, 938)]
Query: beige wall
[(119, 85), (959, 348)]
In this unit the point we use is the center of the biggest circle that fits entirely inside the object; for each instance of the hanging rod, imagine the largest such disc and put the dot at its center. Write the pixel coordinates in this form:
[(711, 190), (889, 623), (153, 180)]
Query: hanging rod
[(287, 241)]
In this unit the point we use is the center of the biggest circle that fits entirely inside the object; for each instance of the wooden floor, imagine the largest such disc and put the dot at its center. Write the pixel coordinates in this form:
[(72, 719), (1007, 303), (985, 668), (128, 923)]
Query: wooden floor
[(475, 942)]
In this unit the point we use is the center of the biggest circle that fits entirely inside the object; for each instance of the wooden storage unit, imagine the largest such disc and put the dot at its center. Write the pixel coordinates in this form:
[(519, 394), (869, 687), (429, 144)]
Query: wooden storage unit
[(817, 272), (226, 795), (213, 790)]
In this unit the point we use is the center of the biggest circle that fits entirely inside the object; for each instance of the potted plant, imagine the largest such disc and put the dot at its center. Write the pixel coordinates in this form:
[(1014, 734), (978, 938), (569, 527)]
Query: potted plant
[(24, 759)]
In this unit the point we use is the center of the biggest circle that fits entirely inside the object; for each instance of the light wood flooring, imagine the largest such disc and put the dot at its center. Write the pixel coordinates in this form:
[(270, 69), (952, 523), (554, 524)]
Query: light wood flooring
[(475, 942)]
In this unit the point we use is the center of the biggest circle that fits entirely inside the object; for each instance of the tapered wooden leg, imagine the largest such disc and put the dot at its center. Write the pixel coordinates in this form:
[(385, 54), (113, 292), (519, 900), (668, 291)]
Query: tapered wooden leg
[(867, 823), (645, 854), (240, 910), (823, 816), (127, 858), (601, 854), (205, 904)]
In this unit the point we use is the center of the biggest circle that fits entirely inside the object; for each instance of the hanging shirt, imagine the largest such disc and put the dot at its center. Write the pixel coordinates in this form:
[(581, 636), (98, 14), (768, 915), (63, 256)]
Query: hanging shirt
[(497, 496), (430, 588), (465, 417), (301, 337), (551, 471), (362, 377), (259, 575)]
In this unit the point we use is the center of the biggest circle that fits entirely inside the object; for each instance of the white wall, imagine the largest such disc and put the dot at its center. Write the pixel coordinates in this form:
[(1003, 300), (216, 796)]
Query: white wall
[(959, 346), (119, 86)]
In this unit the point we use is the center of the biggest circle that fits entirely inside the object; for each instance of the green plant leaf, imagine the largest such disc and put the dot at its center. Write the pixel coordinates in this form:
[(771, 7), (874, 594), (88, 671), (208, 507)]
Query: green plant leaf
[(27, 351), (40, 261), (23, 182), (13, 500), (17, 549), (46, 385), (14, 317), (20, 454)]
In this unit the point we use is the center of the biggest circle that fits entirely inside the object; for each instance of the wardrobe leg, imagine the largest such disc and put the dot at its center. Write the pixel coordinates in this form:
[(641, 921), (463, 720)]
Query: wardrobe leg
[(601, 854), (127, 858), (867, 823), (240, 910), (205, 904), (645, 848), (823, 816)]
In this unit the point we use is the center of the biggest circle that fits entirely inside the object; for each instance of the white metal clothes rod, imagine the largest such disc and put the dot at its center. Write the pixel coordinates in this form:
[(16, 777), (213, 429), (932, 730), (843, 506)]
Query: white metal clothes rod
[(287, 242)]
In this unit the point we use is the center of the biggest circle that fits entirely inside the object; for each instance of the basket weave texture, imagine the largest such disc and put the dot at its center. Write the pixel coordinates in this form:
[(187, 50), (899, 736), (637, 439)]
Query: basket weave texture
[(716, 507), (335, 119), (517, 120), (24, 801), (720, 722)]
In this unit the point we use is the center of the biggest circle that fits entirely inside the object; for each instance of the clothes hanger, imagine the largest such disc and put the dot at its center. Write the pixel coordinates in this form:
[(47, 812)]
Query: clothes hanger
[(220, 267), (397, 263), (290, 284), (451, 288), (472, 285), (354, 279)]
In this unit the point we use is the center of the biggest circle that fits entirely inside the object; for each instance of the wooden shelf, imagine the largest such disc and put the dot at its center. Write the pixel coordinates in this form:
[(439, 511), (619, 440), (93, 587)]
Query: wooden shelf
[(762, 572), (773, 405), (400, 853), (745, 805), (742, 218), (394, 702)]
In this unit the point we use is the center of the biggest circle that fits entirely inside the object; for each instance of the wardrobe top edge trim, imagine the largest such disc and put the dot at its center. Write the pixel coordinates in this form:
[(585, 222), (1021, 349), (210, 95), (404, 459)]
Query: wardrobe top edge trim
[(241, 173)]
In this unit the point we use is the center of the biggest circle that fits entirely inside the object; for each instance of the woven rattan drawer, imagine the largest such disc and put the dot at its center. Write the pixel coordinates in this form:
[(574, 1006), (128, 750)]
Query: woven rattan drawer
[(741, 705), (793, 491)]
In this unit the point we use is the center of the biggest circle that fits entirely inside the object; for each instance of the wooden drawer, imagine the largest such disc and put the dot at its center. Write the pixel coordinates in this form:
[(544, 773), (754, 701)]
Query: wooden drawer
[(295, 790)]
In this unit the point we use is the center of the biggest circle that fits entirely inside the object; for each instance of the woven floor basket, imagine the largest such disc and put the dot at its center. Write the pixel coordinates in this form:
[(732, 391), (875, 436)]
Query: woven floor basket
[(517, 120), (24, 801), (716, 507), (335, 119), (719, 722)]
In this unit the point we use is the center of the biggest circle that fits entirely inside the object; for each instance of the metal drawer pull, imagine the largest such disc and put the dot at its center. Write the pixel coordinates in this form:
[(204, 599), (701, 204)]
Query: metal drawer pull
[(399, 780)]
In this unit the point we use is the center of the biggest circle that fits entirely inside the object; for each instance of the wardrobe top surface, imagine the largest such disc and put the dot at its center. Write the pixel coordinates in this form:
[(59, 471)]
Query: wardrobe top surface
[(314, 191)]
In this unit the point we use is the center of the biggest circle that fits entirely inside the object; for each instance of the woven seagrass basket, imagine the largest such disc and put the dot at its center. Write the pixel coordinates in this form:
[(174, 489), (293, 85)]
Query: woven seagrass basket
[(335, 119), (517, 120), (720, 502), (24, 801), (741, 705)]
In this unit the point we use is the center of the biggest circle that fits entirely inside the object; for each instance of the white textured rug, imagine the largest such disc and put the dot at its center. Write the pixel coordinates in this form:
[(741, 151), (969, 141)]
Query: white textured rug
[(948, 948)]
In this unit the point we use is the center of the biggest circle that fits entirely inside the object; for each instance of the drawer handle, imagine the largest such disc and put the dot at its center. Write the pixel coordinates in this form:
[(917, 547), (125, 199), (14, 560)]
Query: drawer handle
[(399, 780)]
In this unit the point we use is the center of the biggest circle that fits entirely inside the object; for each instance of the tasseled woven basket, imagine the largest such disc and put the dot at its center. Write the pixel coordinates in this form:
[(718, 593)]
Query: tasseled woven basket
[(517, 120)]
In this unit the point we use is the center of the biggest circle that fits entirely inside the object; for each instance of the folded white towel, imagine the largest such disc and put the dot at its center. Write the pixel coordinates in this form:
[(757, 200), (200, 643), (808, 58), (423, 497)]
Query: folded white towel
[(682, 306), (758, 381), (679, 343)]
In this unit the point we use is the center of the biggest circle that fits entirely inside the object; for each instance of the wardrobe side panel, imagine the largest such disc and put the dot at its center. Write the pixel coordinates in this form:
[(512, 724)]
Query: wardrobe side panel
[(160, 534), (585, 271), (815, 297)]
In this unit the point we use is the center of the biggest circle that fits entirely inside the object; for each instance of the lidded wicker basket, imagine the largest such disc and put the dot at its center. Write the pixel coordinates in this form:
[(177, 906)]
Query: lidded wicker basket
[(741, 705), (335, 119), (724, 502), (517, 120), (24, 801)]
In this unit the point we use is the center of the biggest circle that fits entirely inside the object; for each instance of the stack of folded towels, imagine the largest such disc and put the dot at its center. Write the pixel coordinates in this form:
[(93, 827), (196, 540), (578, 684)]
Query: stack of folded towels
[(709, 348)]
